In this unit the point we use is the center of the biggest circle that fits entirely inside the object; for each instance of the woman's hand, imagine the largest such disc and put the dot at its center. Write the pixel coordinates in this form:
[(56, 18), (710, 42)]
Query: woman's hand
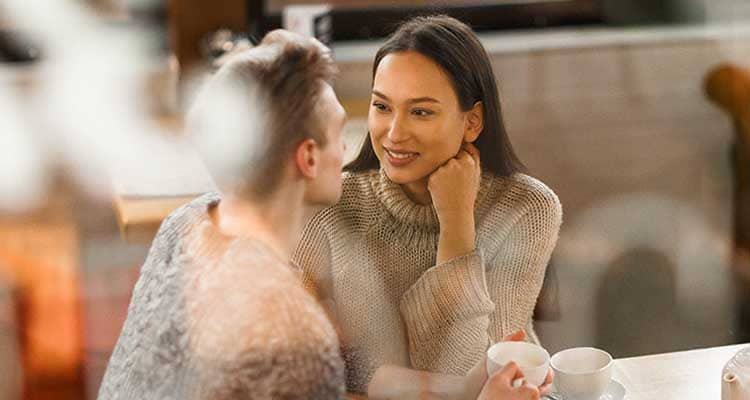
[(393, 382), (454, 185), (547, 385), (500, 386), (477, 376), (453, 188), (520, 336)]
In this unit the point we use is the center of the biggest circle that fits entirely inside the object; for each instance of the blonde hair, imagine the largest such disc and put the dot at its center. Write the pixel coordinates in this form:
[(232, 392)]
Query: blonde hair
[(257, 108)]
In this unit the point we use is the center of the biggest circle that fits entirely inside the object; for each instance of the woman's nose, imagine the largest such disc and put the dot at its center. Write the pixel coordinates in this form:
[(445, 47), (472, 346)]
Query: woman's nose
[(397, 132)]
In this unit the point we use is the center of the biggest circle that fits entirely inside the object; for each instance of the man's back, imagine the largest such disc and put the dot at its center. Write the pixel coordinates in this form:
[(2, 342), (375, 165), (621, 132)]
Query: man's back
[(214, 317)]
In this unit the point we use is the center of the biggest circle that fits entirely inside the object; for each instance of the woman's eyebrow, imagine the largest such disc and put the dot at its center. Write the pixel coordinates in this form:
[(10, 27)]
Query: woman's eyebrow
[(424, 99), (381, 95)]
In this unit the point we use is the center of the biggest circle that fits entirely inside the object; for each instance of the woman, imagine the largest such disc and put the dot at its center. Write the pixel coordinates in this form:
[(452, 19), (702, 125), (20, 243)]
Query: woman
[(218, 312), (439, 245)]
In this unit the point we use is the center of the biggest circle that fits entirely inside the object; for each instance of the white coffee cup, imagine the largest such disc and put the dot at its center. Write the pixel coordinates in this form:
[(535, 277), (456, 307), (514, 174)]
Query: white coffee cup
[(582, 373), (532, 360)]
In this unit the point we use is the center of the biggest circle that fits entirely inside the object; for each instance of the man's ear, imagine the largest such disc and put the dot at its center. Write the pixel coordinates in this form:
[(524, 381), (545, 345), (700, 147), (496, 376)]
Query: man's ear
[(307, 158), (474, 122)]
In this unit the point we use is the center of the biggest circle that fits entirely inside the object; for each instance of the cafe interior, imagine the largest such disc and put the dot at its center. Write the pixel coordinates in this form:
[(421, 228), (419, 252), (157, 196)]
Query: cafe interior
[(635, 113)]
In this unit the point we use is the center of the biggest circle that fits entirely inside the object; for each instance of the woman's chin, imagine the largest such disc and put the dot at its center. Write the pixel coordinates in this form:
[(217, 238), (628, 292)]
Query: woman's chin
[(402, 177)]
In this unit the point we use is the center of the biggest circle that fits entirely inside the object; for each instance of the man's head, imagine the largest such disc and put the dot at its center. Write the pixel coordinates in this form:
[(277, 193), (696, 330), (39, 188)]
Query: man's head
[(269, 117)]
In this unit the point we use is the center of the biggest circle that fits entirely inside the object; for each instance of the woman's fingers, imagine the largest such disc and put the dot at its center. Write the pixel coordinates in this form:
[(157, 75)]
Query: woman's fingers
[(464, 155), (550, 377), (510, 373), (545, 388), (472, 150), (519, 336), (528, 391), (500, 385)]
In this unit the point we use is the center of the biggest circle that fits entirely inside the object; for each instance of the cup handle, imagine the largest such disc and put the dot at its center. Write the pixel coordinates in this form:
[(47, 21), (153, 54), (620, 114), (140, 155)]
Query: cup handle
[(518, 383)]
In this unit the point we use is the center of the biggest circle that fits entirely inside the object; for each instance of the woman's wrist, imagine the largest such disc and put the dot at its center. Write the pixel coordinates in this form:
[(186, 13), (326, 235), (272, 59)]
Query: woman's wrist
[(393, 382), (475, 380), (455, 213), (458, 223), (456, 239), (456, 218)]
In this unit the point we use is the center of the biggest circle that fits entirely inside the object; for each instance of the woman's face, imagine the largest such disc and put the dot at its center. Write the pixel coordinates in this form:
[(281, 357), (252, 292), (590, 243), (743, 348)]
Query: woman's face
[(415, 121)]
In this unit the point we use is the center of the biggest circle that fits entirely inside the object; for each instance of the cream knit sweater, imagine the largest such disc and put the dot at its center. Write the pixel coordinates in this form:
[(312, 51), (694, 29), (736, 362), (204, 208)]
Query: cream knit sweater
[(371, 259)]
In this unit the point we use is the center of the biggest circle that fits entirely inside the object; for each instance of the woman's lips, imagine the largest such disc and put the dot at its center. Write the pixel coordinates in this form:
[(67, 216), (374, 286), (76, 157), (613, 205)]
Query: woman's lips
[(399, 158)]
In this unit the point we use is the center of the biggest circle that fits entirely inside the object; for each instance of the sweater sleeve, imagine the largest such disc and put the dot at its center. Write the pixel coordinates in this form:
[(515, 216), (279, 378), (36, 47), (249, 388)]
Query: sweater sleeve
[(457, 308), (313, 257)]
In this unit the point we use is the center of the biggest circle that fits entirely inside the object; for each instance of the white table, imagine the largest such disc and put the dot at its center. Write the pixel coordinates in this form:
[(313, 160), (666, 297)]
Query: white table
[(685, 375)]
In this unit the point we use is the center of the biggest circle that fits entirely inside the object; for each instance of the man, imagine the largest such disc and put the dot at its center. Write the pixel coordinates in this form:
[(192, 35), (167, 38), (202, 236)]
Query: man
[(218, 312)]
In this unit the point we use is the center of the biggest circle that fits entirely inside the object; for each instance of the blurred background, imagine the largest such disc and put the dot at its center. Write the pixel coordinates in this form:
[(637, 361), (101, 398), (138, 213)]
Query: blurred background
[(636, 113)]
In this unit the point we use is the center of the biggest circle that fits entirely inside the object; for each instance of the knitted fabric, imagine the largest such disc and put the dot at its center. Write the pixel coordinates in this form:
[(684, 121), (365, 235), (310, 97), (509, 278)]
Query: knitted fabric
[(371, 259), (215, 317)]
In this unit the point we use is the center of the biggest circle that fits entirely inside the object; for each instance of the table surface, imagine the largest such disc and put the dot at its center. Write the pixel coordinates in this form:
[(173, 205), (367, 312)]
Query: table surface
[(685, 375), (139, 218)]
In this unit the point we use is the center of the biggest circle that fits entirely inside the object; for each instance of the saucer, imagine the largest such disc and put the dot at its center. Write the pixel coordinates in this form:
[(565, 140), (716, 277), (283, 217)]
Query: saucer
[(615, 391)]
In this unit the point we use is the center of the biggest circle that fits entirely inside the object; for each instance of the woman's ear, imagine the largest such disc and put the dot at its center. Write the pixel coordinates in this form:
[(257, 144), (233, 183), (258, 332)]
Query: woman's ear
[(474, 122), (306, 158)]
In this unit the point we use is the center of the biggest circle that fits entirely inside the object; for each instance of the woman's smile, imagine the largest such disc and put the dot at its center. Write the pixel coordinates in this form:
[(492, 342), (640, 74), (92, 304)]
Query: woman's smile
[(399, 158)]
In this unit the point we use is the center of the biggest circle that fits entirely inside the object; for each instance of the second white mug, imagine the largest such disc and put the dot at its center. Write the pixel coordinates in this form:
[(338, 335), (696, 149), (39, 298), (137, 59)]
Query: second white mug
[(582, 373)]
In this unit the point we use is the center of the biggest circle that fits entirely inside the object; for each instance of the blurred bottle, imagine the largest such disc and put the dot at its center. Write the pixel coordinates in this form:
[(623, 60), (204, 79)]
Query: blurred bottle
[(313, 20)]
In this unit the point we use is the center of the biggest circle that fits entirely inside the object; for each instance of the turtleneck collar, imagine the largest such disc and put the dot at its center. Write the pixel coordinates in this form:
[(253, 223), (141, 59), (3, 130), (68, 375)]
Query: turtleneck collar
[(414, 215)]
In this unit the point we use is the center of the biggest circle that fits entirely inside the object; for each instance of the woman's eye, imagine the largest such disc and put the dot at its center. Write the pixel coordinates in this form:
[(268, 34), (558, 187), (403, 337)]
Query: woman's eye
[(380, 106), (422, 112)]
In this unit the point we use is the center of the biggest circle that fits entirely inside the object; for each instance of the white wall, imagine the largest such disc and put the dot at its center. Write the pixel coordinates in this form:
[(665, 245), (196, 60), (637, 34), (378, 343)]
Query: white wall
[(727, 10)]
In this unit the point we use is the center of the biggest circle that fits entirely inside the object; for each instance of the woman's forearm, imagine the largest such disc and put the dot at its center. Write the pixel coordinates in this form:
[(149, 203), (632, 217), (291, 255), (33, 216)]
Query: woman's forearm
[(457, 236), (446, 313), (393, 382)]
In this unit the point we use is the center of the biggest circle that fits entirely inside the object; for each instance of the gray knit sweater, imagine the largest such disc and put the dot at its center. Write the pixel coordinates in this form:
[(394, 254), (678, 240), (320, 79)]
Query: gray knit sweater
[(214, 317), (371, 258)]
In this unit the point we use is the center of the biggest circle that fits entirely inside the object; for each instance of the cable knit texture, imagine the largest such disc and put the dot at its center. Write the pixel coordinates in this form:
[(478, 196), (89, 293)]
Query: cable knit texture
[(214, 317), (371, 259)]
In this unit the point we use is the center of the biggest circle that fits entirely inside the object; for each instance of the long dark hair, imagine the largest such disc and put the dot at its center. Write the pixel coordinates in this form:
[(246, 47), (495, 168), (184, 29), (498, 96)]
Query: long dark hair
[(457, 50)]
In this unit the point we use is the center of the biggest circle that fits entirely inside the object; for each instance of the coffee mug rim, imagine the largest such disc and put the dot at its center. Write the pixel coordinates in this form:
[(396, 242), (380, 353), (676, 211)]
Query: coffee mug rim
[(547, 360), (596, 371)]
